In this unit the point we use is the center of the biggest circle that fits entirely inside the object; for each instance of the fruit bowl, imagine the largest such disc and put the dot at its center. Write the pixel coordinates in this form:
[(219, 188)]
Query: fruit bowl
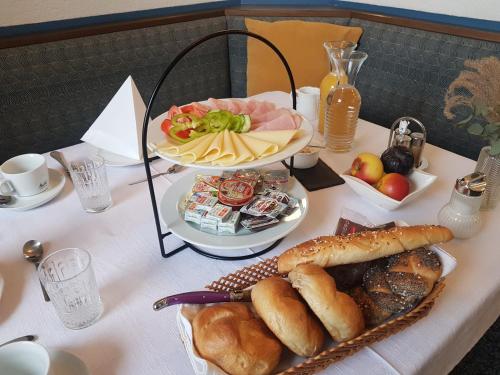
[(419, 182)]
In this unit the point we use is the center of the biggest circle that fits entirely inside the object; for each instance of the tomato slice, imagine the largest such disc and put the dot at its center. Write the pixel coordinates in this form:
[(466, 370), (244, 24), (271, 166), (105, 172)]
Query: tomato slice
[(188, 108), (165, 125), (184, 134)]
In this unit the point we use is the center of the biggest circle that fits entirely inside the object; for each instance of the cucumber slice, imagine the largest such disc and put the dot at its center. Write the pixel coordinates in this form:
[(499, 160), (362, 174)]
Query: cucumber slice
[(246, 124)]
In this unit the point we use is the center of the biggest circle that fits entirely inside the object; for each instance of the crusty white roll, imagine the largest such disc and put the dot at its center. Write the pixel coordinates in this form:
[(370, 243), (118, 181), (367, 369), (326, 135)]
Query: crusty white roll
[(338, 312), (328, 251), (230, 336), (279, 305)]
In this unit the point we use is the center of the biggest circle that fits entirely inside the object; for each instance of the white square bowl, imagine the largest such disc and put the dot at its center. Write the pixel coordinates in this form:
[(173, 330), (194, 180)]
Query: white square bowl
[(420, 181)]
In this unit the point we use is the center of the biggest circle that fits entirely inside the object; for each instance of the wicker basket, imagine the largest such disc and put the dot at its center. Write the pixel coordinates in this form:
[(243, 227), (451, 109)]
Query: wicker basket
[(249, 276)]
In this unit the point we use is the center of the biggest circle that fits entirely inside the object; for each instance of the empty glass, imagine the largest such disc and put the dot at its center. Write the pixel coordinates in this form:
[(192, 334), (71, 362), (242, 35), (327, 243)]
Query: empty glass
[(69, 279), (91, 183)]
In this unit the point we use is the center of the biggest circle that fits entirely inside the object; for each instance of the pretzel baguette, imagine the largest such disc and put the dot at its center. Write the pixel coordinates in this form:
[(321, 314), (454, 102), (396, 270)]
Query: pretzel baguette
[(328, 251)]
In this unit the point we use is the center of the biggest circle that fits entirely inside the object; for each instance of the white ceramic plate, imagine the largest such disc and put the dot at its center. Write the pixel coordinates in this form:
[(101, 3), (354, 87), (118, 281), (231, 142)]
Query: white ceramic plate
[(64, 363), (420, 181), (56, 184), (292, 148), (174, 196)]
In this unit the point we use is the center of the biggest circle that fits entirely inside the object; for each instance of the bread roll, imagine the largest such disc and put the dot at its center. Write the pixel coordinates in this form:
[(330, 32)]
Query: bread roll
[(230, 336), (379, 290), (338, 312), (413, 274), (279, 305), (330, 251), (373, 313)]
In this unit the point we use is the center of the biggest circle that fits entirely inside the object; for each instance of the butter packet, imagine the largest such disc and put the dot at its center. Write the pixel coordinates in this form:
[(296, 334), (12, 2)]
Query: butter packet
[(231, 224)]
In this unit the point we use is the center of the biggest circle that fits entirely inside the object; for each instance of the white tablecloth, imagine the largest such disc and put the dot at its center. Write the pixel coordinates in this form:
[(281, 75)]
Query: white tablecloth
[(130, 338)]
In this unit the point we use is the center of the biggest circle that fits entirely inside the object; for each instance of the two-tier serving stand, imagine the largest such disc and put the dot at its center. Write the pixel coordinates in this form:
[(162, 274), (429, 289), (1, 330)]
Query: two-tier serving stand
[(177, 59)]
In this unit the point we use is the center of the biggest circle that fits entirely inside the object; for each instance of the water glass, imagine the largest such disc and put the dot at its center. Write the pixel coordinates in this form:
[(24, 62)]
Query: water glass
[(91, 183), (69, 279)]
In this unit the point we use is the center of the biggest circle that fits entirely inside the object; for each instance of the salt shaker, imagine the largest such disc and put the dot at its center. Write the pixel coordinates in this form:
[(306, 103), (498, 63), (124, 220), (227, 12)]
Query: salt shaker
[(461, 214)]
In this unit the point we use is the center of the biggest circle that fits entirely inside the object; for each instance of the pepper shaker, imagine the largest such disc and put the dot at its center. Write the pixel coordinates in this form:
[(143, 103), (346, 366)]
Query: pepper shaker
[(461, 214)]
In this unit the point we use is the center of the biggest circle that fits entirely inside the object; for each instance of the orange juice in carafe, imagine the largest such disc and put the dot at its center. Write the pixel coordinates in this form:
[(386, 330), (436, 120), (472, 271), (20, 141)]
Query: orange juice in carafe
[(331, 80)]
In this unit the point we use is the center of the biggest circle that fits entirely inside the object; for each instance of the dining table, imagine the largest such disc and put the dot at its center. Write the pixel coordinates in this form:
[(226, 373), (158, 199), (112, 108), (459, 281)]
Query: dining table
[(130, 338)]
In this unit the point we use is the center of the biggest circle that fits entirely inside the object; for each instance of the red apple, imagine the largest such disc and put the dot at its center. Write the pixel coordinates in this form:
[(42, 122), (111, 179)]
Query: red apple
[(394, 185), (367, 167)]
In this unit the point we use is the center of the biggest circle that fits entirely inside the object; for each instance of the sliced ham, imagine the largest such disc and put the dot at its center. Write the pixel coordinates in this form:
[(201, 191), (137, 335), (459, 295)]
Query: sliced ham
[(264, 115)]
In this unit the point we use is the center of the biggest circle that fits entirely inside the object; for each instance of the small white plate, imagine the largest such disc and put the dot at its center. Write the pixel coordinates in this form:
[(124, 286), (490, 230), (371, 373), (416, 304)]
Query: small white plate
[(64, 363), (175, 194), (420, 181), (56, 184)]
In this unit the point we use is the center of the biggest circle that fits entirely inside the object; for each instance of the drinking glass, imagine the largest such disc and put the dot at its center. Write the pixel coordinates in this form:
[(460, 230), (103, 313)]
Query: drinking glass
[(91, 183), (69, 279)]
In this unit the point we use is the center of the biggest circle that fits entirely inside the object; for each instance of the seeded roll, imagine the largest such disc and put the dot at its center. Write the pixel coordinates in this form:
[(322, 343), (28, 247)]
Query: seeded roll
[(328, 251)]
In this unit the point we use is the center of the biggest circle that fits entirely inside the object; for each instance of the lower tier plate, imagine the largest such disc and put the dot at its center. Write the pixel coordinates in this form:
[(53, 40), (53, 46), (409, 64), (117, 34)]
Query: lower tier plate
[(171, 215)]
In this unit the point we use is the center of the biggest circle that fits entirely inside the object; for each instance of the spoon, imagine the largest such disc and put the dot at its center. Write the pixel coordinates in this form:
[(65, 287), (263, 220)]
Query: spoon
[(59, 157), (33, 252), (22, 338)]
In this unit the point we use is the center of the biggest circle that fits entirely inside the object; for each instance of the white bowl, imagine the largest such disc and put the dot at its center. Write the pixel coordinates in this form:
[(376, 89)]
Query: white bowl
[(304, 160), (419, 182)]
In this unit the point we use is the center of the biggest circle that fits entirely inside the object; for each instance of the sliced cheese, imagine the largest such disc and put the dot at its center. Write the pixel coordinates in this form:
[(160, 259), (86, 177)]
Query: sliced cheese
[(191, 151), (215, 149), (241, 152), (279, 137), (258, 147)]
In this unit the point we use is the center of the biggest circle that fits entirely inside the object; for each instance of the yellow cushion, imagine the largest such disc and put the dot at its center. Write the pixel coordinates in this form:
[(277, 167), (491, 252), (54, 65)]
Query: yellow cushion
[(302, 45)]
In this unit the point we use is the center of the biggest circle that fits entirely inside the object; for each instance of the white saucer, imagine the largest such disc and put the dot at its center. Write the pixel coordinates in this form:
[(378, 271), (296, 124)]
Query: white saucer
[(64, 363), (56, 184)]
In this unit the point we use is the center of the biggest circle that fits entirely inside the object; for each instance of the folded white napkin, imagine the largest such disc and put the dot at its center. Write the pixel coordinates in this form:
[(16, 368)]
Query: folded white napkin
[(118, 128)]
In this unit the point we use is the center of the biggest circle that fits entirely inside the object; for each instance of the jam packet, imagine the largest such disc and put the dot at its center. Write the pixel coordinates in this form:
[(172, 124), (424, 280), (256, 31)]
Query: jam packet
[(258, 223), (264, 206), (275, 179)]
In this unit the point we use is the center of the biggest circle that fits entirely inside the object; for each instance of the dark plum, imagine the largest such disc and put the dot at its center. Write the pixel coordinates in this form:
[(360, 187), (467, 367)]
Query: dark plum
[(397, 159)]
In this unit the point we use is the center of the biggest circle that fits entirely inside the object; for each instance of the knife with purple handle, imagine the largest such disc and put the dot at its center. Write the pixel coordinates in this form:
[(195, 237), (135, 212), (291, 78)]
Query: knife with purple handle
[(202, 297)]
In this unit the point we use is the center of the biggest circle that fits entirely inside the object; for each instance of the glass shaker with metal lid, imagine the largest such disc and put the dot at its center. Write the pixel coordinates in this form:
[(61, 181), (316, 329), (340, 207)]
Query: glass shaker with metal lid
[(461, 214)]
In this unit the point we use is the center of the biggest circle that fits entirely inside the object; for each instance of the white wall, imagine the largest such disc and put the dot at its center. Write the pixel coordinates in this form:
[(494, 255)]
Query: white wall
[(19, 12), (482, 9)]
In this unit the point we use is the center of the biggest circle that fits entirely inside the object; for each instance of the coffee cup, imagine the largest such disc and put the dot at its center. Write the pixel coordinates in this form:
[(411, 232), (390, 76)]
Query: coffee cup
[(308, 102), (24, 358), (25, 175)]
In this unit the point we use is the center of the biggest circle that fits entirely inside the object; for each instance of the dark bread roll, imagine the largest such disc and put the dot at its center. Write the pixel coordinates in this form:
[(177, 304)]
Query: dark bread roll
[(372, 312), (230, 336), (380, 292), (412, 274), (348, 276)]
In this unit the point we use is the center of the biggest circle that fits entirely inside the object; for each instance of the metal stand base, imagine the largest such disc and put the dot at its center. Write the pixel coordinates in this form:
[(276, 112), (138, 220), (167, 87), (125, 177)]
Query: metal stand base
[(188, 245)]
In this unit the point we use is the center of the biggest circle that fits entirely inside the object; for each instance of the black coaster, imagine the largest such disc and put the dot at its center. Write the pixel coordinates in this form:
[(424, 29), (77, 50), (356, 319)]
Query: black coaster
[(320, 176)]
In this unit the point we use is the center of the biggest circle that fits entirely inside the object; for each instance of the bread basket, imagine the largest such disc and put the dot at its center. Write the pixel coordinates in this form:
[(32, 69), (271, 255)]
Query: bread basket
[(248, 276)]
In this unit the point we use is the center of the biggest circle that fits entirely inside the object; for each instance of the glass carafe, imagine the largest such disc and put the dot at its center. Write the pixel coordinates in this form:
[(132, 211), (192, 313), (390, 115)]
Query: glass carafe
[(343, 102), (331, 79)]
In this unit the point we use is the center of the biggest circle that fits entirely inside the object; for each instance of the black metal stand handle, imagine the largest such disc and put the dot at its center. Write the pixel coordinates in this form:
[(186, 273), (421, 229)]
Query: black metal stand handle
[(161, 236)]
